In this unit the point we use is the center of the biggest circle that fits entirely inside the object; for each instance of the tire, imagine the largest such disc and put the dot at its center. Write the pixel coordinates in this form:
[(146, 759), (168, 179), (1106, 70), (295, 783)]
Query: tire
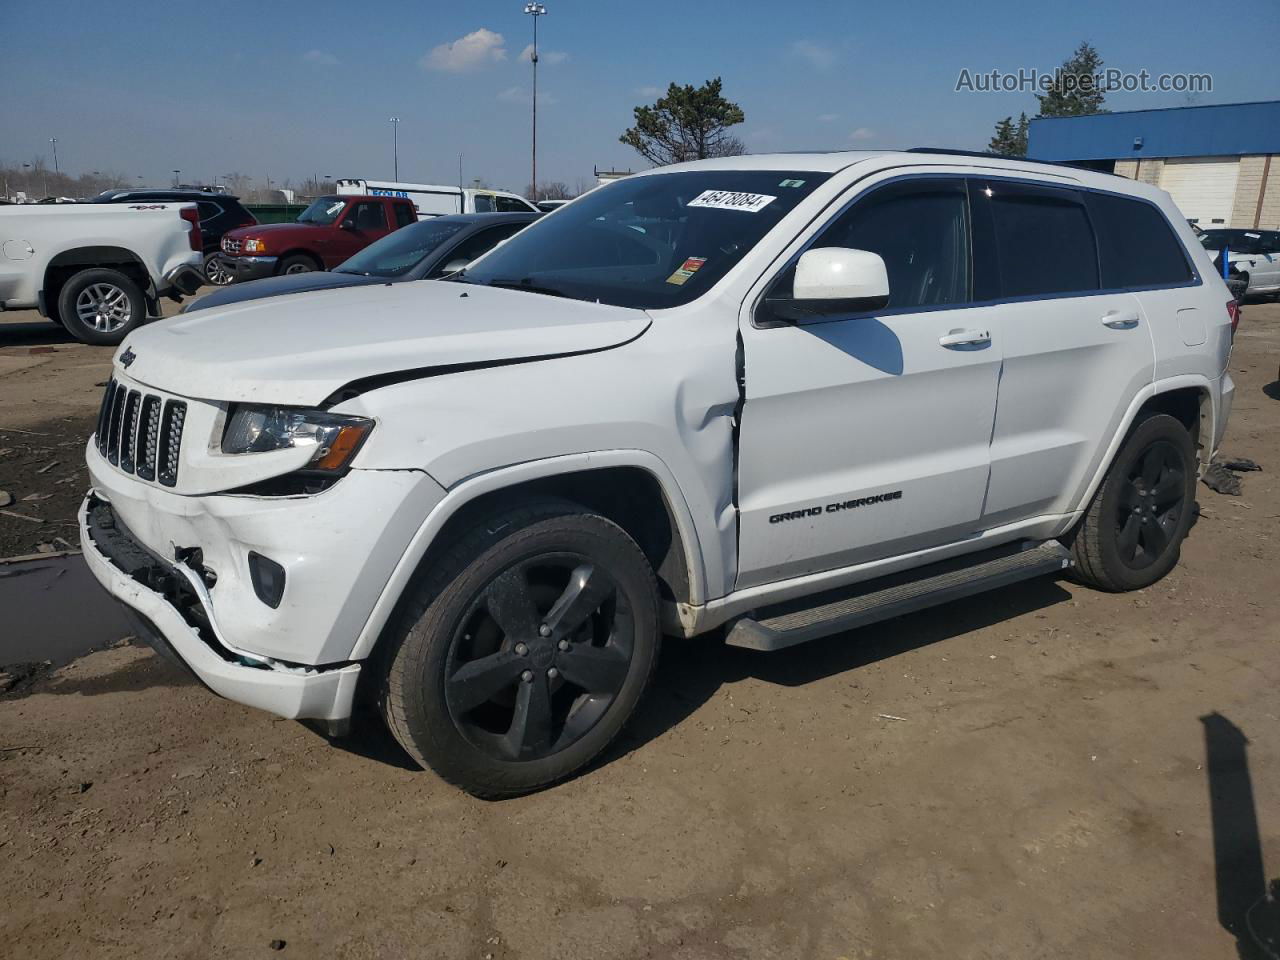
[(298, 263), (478, 654), (1132, 532), (101, 306)]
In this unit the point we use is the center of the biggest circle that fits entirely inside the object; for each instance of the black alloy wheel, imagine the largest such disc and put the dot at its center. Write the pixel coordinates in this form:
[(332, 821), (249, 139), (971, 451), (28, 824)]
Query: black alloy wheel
[(1150, 505), (539, 658), (522, 650)]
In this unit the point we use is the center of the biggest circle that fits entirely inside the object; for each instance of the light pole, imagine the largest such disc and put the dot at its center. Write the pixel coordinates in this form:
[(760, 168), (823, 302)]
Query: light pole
[(535, 10), (54, 141), (395, 146), (176, 174)]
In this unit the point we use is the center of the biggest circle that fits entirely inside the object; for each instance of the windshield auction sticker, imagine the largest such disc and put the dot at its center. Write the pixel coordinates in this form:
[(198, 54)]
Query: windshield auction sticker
[(729, 200), (686, 270)]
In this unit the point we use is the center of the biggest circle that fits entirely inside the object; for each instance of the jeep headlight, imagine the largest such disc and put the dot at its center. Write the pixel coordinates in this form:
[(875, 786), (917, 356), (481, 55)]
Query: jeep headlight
[(334, 438)]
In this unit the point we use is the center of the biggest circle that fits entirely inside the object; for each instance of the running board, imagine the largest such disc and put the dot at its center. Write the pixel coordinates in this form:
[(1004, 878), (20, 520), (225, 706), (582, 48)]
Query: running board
[(834, 611)]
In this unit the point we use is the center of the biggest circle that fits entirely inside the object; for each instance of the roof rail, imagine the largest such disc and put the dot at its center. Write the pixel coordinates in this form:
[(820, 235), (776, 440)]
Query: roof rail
[(987, 154)]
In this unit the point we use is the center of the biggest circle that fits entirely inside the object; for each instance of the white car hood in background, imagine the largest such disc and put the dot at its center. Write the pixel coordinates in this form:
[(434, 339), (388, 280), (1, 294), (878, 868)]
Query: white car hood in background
[(300, 349)]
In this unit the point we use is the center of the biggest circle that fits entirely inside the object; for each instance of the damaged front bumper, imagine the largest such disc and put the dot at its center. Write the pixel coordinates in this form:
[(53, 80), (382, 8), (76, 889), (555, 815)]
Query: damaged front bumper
[(167, 600)]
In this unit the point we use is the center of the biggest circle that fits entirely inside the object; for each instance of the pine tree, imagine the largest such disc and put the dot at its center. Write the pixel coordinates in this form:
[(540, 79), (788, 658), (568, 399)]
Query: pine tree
[(689, 123), (1077, 89)]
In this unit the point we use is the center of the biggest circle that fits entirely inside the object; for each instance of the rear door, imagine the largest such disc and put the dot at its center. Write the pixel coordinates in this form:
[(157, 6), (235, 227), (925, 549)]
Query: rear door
[(867, 436), (1075, 354)]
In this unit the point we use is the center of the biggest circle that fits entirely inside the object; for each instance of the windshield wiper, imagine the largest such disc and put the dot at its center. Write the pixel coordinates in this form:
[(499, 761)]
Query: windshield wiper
[(526, 285)]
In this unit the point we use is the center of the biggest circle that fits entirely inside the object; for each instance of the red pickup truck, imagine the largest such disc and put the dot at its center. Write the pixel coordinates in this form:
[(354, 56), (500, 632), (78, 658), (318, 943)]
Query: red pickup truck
[(325, 234)]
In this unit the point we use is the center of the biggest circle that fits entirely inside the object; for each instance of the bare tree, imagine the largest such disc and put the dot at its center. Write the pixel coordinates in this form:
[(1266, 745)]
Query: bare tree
[(550, 191)]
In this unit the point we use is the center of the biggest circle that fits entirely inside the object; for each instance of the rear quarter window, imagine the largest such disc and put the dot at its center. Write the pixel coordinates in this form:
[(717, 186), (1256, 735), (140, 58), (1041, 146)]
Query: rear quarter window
[(1136, 245)]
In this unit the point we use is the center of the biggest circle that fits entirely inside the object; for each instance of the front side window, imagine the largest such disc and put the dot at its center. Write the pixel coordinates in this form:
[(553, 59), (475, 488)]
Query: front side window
[(1136, 245), (477, 245), (323, 211), (920, 229), (653, 241), (399, 252), (1043, 241)]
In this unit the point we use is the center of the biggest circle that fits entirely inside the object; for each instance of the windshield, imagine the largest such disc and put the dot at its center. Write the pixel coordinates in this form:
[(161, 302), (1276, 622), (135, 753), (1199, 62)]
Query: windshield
[(1238, 241), (649, 242), (323, 210), (399, 252)]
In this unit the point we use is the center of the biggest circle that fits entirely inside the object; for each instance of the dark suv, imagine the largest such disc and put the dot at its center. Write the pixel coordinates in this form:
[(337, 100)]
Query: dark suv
[(219, 213)]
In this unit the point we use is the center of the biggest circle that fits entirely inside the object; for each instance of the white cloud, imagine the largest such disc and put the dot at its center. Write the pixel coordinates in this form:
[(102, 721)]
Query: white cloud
[(828, 117), (321, 58), (475, 50), (863, 133), (819, 57), (522, 96), (544, 56)]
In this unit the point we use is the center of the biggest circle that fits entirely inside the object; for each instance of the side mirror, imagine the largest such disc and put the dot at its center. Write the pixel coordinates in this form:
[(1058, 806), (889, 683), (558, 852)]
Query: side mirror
[(831, 281), (347, 225), (453, 266)]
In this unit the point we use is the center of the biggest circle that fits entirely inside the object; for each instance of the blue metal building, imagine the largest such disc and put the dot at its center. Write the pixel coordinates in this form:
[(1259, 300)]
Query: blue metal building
[(1218, 161)]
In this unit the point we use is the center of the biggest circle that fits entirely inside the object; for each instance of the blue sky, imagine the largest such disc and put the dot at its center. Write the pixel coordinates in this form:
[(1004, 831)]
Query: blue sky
[(291, 89)]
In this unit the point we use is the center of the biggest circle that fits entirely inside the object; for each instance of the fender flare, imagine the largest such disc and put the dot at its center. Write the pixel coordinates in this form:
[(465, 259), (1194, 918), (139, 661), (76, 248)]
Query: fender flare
[(1153, 389), (469, 489)]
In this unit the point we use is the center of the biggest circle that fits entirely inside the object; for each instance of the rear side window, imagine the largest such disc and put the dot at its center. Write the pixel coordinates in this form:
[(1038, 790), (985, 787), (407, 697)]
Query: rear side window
[(207, 210), (511, 205), (1043, 240), (1136, 244), (405, 215)]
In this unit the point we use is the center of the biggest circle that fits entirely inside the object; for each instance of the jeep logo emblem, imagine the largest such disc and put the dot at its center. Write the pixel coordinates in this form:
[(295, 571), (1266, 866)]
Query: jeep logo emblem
[(127, 357)]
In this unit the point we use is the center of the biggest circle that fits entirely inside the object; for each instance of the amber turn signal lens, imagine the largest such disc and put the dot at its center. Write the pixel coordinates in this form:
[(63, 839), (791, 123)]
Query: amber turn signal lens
[(343, 446)]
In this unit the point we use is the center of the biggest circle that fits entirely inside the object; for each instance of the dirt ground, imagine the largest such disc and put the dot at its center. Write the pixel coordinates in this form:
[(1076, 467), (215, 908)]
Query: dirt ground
[(1042, 772)]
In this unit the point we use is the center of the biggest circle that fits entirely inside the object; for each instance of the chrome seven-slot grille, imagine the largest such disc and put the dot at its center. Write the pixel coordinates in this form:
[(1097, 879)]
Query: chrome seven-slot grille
[(230, 245), (141, 433)]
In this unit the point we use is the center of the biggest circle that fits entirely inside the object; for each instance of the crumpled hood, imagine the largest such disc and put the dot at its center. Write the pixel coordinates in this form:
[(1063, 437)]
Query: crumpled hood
[(301, 349)]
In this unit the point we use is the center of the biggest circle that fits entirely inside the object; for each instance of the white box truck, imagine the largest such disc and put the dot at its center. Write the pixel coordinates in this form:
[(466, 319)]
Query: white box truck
[(434, 200)]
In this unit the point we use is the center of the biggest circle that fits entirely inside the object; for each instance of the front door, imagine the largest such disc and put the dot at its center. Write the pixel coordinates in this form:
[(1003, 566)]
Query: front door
[(363, 222), (868, 436)]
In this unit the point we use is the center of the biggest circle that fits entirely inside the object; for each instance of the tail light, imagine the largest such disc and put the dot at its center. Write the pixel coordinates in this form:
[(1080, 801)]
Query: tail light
[(1233, 312), (192, 216)]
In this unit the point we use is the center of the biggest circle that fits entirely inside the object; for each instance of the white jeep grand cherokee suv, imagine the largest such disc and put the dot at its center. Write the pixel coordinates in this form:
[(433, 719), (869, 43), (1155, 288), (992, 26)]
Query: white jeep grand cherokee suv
[(779, 395)]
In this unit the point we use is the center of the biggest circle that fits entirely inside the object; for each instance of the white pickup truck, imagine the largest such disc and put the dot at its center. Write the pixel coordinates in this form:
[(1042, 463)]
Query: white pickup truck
[(777, 396), (99, 270)]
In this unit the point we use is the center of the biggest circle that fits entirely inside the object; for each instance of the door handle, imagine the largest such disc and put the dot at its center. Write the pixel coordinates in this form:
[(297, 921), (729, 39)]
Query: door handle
[(957, 339), (1120, 321)]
